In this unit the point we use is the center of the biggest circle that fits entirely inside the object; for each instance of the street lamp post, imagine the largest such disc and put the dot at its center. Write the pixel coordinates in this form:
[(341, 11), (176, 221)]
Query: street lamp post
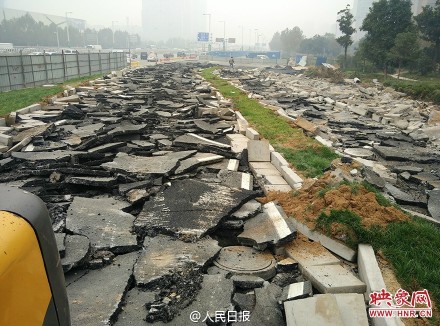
[(113, 32), (58, 39), (67, 24), (256, 42), (56, 30), (224, 34), (242, 37), (209, 31)]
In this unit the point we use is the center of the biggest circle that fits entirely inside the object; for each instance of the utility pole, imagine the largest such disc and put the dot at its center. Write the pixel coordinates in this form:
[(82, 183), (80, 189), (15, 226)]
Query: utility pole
[(67, 23), (242, 37), (209, 31)]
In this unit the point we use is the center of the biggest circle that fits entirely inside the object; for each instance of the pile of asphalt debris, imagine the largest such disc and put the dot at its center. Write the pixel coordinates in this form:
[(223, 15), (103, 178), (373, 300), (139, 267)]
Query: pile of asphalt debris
[(395, 138), (146, 195)]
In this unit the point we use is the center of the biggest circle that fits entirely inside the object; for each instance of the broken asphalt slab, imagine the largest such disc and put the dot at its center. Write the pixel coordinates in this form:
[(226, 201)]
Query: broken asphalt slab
[(144, 166), (103, 222), (190, 208), (96, 297), (162, 255)]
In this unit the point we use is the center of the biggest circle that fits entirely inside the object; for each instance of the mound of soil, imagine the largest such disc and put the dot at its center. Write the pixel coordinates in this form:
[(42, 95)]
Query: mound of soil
[(307, 205)]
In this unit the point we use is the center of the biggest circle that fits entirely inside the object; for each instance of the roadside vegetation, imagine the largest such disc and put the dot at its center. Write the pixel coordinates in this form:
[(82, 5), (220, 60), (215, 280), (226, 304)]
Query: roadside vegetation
[(349, 212), (17, 99), (308, 156)]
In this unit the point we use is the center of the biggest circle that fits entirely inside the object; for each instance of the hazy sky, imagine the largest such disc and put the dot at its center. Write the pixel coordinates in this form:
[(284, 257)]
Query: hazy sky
[(268, 16)]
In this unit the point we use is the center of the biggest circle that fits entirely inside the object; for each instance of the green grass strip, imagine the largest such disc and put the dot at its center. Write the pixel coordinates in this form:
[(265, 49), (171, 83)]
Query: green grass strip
[(412, 248), (304, 153), (17, 99)]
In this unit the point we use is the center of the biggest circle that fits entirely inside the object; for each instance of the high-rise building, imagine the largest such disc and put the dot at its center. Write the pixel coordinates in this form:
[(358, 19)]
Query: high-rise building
[(419, 4), (360, 10), (167, 19)]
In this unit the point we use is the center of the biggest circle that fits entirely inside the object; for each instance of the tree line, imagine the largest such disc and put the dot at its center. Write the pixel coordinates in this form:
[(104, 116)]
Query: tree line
[(25, 31), (292, 41), (394, 38)]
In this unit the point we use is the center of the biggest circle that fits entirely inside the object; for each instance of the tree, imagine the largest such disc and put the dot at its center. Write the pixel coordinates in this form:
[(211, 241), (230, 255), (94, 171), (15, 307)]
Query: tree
[(428, 22), (275, 43), (291, 40), (406, 48), (386, 19), (321, 45), (345, 21)]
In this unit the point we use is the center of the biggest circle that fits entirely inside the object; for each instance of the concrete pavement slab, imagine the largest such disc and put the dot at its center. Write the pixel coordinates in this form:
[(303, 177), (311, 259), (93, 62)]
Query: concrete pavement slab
[(103, 222)]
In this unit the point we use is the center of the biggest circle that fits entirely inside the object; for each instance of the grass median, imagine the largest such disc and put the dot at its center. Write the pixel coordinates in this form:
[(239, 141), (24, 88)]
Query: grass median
[(17, 99), (409, 244), (307, 155)]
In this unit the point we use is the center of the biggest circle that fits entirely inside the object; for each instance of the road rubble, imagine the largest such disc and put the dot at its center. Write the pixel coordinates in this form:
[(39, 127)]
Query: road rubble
[(394, 138), (152, 194)]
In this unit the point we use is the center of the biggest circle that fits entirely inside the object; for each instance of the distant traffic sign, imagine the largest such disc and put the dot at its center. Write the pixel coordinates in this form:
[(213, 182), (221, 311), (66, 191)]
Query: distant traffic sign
[(219, 39), (203, 37), (231, 40)]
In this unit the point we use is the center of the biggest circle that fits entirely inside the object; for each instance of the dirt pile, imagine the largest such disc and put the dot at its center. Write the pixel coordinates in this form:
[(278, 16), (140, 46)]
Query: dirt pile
[(323, 197)]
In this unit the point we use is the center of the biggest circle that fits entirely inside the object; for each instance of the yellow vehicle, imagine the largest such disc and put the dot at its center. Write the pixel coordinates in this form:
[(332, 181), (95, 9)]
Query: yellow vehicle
[(32, 285)]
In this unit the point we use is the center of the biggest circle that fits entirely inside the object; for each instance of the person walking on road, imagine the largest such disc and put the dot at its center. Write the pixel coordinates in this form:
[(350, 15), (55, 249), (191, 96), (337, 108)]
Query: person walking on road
[(231, 62)]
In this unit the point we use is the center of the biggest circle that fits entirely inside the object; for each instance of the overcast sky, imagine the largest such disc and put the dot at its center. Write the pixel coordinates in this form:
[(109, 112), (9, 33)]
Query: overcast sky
[(268, 16)]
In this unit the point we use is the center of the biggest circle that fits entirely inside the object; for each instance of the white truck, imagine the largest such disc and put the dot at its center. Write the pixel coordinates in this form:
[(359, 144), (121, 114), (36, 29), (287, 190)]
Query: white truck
[(94, 47)]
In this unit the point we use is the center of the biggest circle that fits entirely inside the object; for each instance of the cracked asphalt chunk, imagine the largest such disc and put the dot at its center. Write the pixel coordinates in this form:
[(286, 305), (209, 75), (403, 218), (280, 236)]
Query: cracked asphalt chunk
[(190, 208), (95, 298), (144, 166), (76, 253), (134, 311), (103, 222), (164, 255)]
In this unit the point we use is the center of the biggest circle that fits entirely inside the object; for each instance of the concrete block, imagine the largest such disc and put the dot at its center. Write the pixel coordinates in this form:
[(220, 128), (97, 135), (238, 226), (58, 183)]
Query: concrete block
[(238, 142), (332, 245), (333, 279), (252, 134), (17, 147), (327, 309), (3, 149), (6, 140), (69, 99), (369, 271), (308, 253), (278, 160), (306, 125), (290, 176), (280, 188), (275, 180), (358, 110), (297, 291), (258, 151), (233, 165), (323, 141), (304, 312), (30, 108)]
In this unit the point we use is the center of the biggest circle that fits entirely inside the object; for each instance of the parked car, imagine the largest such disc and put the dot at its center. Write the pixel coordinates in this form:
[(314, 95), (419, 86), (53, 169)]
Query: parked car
[(181, 54)]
